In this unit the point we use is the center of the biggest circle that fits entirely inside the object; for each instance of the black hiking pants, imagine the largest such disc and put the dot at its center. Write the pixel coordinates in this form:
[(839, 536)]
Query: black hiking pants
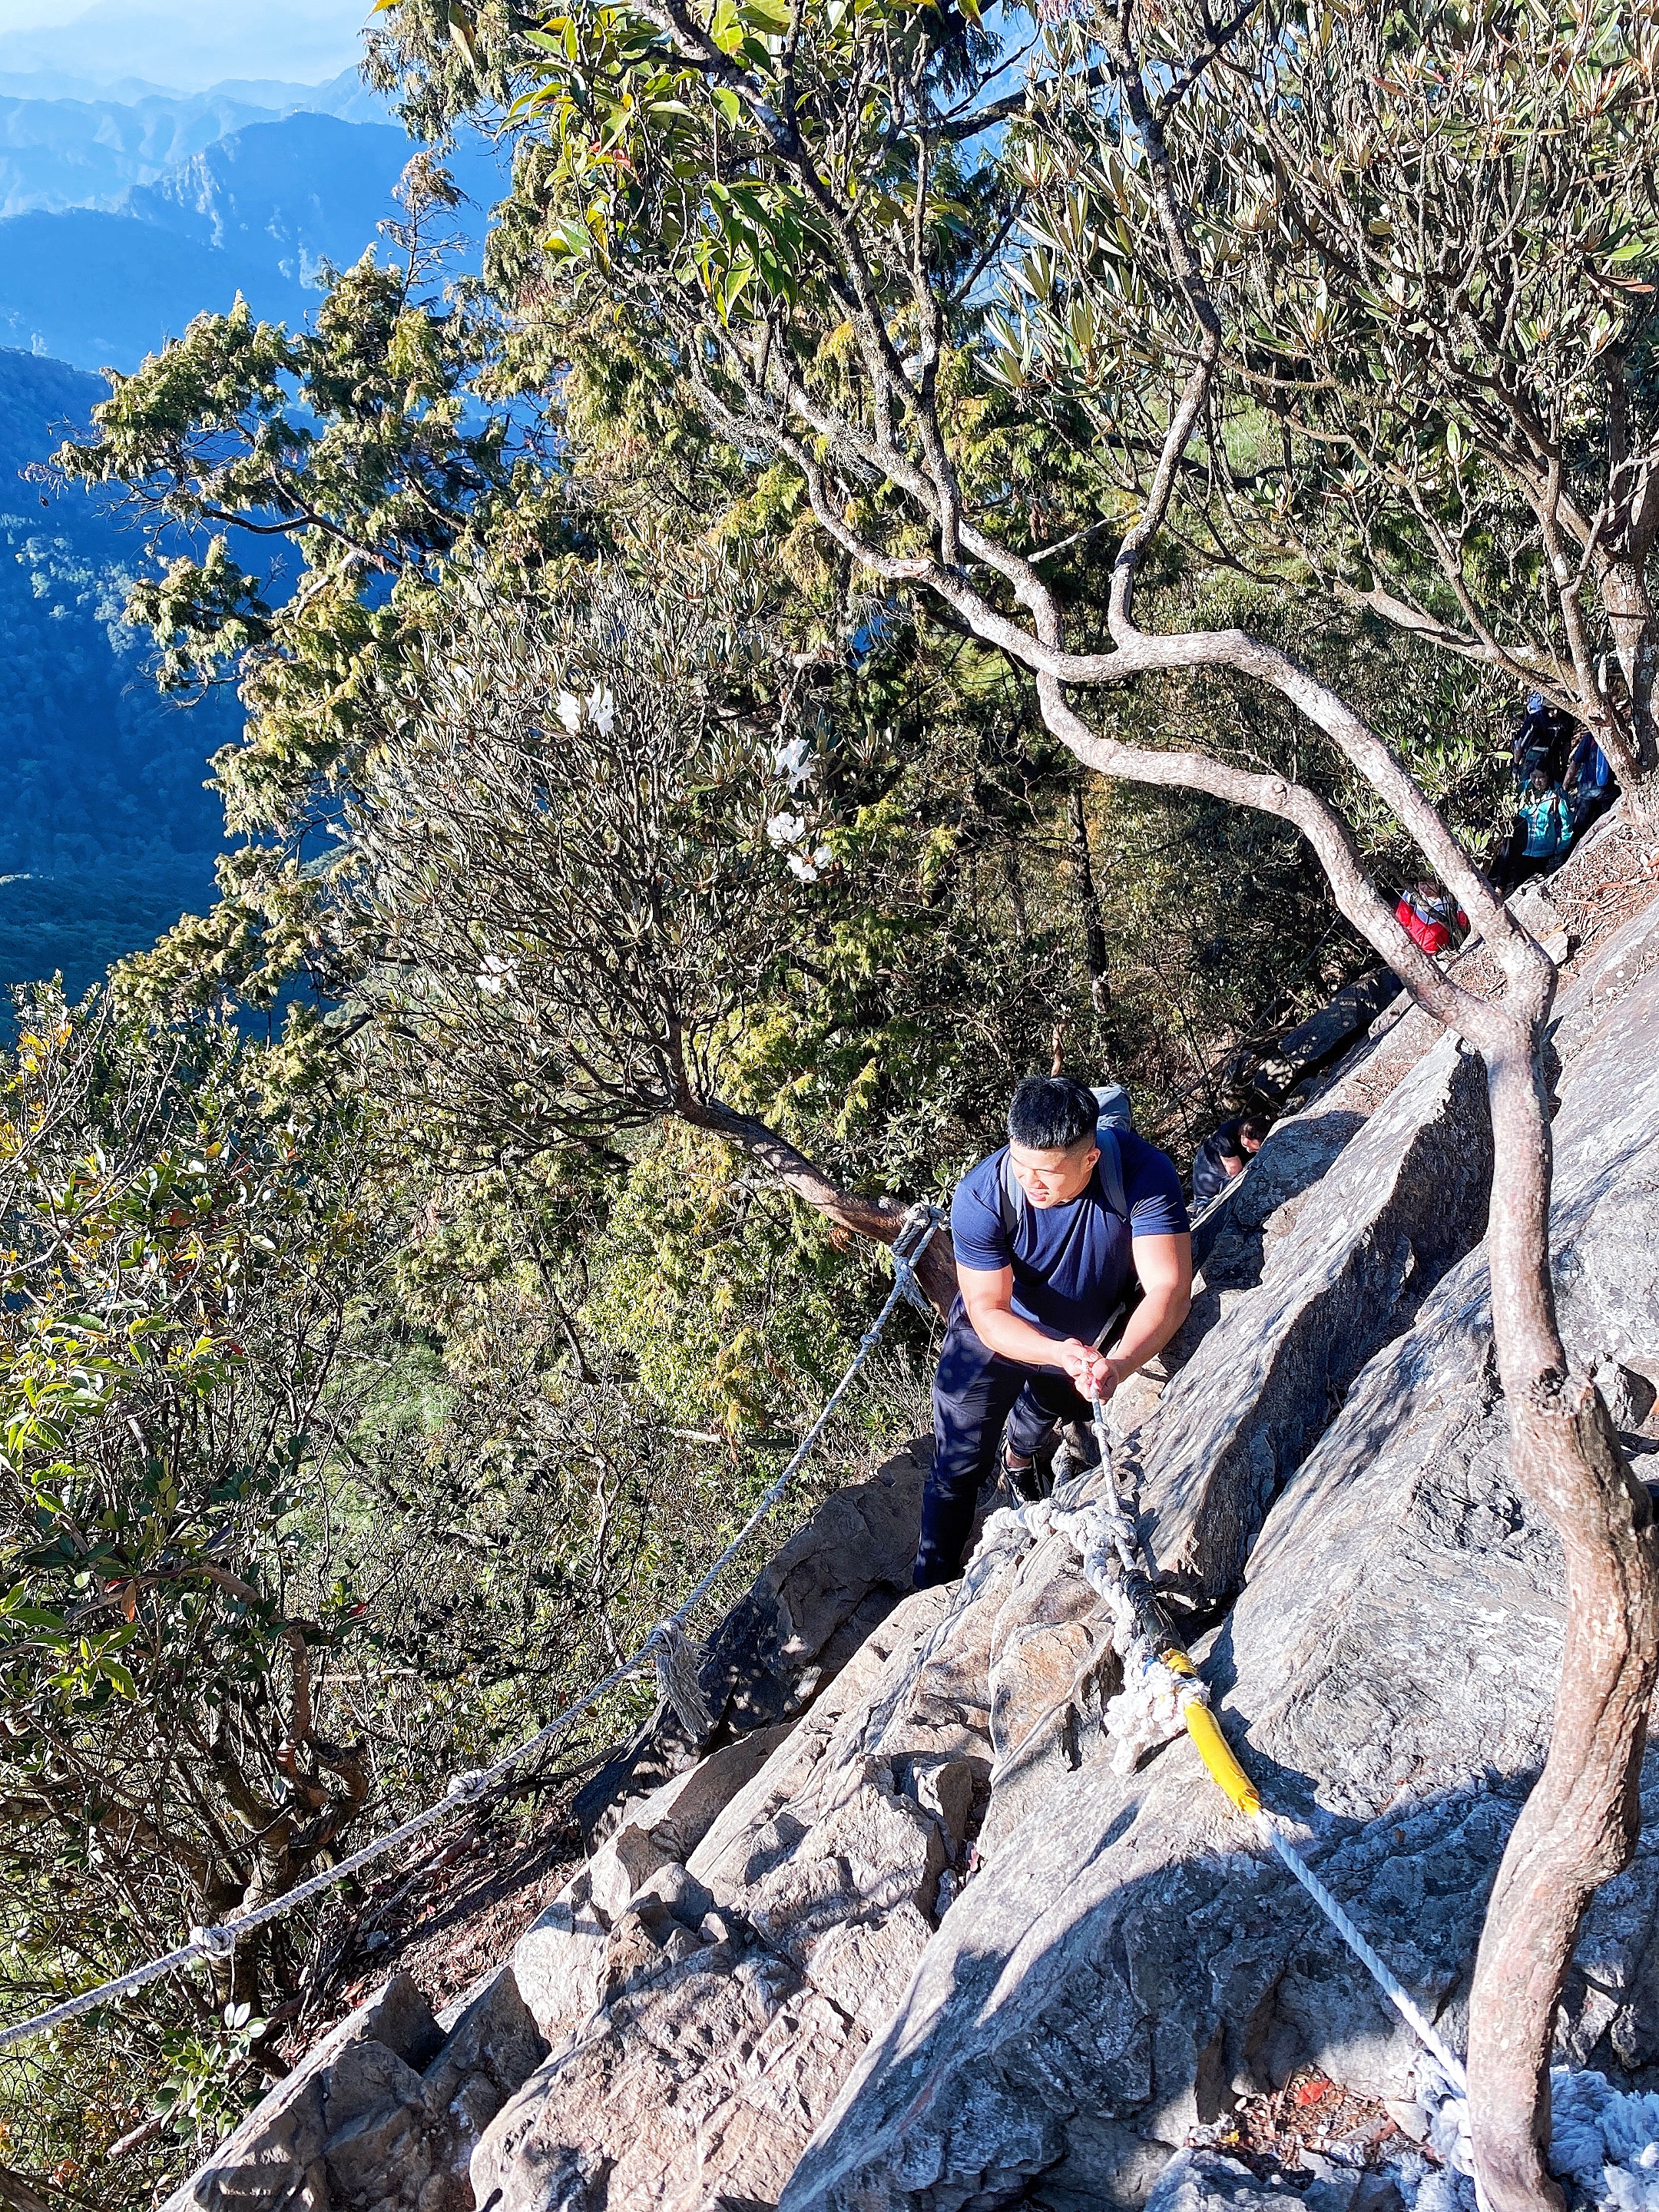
[(978, 1396)]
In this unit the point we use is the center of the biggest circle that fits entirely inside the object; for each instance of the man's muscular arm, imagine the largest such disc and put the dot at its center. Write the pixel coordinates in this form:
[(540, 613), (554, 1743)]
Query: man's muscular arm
[(1164, 1265), (989, 1295)]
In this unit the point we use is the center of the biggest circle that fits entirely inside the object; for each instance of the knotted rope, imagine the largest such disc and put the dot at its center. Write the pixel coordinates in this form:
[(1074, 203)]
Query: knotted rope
[(1162, 1695)]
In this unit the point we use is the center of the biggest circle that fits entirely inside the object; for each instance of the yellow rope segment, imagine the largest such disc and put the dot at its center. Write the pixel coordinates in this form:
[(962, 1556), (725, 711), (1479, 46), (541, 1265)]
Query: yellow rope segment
[(1216, 1753)]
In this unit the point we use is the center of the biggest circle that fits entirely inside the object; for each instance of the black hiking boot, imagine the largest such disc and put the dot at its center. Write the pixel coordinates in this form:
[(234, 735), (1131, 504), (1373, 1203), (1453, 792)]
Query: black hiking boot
[(1078, 1453), (1031, 1479)]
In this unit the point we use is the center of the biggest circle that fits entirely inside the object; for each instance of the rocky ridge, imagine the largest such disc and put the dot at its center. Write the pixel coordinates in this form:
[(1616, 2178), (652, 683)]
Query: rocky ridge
[(904, 1938)]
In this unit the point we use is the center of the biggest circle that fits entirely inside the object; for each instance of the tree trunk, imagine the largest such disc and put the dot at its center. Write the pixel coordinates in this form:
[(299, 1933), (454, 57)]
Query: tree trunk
[(1579, 1825), (20, 2196), (1630, 617), (1564, 1453), (1093, 934), (881, 1219)]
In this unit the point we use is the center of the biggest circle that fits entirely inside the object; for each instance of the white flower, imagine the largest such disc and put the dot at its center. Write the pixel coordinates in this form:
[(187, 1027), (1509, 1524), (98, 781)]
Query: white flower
[(823, 858), (787, 829), (570, 711), (603, 707), (795, 761), (801, 866), (496, 975)]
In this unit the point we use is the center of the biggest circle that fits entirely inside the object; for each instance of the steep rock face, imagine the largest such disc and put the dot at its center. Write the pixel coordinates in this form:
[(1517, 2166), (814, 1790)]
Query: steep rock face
[(906, 1938), (725, 1999), (809, 1610), (1351, 1260), (1315, 1043), (1129, 1960), (279, 2154), (386, 2113)]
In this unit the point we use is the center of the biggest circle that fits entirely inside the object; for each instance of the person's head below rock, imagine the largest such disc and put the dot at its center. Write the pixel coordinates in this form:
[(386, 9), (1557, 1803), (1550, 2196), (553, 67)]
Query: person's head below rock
[(1240, 1141), (1539, 782), (1535, 703), (1051, 1138)]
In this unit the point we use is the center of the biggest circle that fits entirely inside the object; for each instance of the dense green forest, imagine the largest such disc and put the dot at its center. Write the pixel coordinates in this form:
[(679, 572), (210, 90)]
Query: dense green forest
[(810, 636), (107, 831)]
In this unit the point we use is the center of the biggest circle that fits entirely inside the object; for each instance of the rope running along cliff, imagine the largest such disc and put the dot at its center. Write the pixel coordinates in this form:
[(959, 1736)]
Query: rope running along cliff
[(1162, 1694), (665, 1649)]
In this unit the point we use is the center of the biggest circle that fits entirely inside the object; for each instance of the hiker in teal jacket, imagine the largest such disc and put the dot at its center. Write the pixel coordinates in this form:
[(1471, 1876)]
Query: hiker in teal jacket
[(1543, 830)]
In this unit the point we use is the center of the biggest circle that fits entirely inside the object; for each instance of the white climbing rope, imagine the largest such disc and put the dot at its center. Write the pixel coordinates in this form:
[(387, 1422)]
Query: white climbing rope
[(1395, 1991), (1161, 1697), (666, 1648)]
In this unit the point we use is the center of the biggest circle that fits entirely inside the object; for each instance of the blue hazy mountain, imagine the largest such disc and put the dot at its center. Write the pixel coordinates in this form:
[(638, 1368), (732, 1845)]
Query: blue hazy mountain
[(104, 290), (58, 151), (106, 833), (285, 194), (58, 154), (254, 212)]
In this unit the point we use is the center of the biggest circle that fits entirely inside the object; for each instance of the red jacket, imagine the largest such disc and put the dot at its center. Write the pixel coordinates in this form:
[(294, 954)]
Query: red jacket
[(1426, 929)]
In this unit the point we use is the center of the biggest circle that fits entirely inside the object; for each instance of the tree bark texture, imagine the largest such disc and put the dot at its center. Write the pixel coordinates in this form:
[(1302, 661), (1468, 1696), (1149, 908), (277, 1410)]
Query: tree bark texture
[(1574, 1832), (20, 2196), (881, 1219), (1579, 1826)]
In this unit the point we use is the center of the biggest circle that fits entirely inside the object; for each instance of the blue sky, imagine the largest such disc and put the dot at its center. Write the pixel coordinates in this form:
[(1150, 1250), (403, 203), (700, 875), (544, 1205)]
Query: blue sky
[(186, 44)]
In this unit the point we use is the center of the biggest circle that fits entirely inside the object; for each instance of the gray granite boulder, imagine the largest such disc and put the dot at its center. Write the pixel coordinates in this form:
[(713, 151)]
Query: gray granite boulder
[(1312, 1045), (708, 2057), (277, 2157), (1344, 1265), (907, 1939), (383, 2115)]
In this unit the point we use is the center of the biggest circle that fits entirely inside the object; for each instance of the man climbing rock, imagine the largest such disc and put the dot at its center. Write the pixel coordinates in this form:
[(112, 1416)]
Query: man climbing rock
[(1056, 1235)]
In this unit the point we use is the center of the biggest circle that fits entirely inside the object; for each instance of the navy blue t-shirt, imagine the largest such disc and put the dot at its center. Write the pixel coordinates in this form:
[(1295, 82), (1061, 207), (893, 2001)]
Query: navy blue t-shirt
[(1072, 1263)]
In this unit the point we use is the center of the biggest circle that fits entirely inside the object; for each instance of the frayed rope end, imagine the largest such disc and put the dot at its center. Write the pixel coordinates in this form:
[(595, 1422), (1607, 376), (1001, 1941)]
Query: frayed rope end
[(676, 1679)]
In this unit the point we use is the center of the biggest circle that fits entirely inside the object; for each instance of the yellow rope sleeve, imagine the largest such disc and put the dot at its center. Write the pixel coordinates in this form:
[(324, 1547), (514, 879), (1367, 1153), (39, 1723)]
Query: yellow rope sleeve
[(1216, 1754)]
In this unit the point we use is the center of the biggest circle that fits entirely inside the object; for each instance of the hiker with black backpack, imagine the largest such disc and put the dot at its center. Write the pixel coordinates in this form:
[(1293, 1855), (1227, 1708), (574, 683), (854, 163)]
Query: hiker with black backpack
[(1075, 1263)]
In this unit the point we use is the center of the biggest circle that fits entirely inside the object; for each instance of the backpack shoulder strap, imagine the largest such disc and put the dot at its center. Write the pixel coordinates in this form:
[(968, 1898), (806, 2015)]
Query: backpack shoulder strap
[(1010, 1198), (1111, 1169)]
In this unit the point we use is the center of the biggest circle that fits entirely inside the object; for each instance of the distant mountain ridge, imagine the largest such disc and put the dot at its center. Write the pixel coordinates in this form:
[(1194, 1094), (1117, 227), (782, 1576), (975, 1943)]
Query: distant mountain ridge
[(59, 152), (120, 221), (310, 187), (103, 291), (254, 212), (106, 832)]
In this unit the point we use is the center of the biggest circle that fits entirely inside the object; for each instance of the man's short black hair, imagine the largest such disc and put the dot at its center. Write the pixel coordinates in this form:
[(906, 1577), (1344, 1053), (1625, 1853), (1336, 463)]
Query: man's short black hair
[(1051, 1114), (1255, 1126)]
